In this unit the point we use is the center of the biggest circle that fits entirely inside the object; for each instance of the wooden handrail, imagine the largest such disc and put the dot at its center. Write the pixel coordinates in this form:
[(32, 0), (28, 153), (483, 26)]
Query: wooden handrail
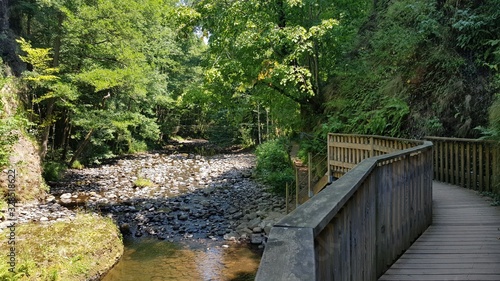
[(360, 223), (469, 163)]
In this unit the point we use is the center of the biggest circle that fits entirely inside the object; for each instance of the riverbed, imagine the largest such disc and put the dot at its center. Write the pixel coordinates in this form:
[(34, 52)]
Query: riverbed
[(199, 217)]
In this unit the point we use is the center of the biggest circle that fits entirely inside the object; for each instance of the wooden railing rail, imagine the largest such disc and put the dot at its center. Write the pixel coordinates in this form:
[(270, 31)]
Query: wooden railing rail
[(346, 151), (468, 163), (360, 223)]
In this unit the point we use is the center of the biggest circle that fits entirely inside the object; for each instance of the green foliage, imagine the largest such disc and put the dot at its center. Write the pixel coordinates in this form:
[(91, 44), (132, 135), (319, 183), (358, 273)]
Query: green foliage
[(53, 171), (273, 164), (495, 197), (12, 124), (142, 182), (493, 131), (108, 70), (278, 54), (418, 68), (77, 165), (7, 137), (361, 118), (40, 60)]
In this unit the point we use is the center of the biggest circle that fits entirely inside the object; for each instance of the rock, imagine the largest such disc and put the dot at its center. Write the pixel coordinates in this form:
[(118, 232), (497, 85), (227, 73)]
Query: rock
[(125, 229), (254, 223), (182, 217), (231, 210), (66, 201), (256, 239), (237, 215), (251, 216), (65, 196), (257, 229), (267, 229), (231, 236)]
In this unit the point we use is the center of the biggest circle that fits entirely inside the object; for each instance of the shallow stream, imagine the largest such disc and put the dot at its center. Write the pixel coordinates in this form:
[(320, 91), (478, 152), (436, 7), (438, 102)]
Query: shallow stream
[(155, 260)]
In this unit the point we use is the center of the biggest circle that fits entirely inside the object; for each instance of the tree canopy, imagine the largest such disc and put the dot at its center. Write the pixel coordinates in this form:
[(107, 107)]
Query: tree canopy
[(106, 77)]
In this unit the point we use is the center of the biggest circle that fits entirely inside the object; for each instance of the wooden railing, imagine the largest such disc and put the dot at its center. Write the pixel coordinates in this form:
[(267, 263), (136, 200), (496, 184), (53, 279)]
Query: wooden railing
[(468, 163), (358, 225), (346, 151)]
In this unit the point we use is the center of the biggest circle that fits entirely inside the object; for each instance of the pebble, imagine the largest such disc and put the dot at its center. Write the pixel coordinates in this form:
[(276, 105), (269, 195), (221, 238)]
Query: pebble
[(191, 197)]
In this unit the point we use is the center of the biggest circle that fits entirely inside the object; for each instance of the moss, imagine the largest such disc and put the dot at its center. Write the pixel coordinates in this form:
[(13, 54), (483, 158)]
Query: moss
[(79, 250), (142, 182), (77, 165)]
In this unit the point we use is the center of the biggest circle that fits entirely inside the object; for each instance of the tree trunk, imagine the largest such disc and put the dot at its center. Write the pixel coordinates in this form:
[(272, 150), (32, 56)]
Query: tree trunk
[(267, 123), (258, 123), (81, 147), (46, 128), (4, 16), (57, 40), (65, 138)]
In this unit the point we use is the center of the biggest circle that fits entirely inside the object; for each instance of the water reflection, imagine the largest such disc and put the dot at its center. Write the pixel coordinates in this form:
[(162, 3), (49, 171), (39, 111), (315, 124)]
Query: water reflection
[(154, 260)]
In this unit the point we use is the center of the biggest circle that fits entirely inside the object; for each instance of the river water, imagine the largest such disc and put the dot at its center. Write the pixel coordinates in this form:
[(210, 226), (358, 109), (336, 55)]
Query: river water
[(155, 260)]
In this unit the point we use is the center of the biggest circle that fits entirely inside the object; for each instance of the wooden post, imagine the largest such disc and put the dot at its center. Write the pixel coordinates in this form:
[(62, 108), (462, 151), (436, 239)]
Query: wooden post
[(328, 158), (480, 168), (296, 187), (309, 174), (286, 197), (487, 166)]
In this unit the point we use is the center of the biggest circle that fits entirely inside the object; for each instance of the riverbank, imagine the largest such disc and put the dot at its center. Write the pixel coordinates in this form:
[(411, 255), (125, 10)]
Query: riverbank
[(83, 248)]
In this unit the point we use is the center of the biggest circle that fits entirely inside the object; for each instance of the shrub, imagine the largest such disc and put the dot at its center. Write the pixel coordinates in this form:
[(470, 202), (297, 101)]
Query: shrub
[(77, 165), (53, 171), (142, 182), (273, 164)]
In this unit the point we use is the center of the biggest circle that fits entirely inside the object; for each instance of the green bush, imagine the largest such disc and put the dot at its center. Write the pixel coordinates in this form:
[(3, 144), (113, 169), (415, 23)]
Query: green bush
[(142, 182), (53, 171), (77, 165), (273, 164)]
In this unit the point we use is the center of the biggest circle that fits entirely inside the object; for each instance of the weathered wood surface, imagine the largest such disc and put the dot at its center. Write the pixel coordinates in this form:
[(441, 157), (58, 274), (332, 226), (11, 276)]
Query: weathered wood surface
[(468, 163), (463, 242), (346, 151), (360, 223)]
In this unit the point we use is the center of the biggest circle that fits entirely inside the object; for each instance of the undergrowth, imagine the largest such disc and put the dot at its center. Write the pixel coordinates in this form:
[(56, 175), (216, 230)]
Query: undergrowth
[(495, 197), (274, 167)]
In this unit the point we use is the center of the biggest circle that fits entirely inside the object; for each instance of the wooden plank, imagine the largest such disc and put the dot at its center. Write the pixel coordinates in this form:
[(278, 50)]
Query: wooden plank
[(474, 166), (341, 164), (487, 167), (440, 277), (445, 139), (456, 170), (468, 167), (462, 165), (468, 247), (447, 159), (350, 145), (480, 168), (322, 183)]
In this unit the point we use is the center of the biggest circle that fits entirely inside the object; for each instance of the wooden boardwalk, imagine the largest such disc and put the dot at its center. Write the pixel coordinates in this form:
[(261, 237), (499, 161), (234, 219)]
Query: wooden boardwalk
[(463, 242)]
